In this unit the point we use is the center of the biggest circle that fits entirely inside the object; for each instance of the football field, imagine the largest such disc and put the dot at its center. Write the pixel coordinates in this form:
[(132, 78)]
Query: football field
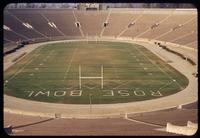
[(92, 72)]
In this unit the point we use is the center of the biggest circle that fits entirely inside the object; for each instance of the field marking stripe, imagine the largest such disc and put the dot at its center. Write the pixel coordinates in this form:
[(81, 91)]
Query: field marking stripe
[(91, 77), (39, 86), (115, 70), (28, 62), (158, 66), (131, 54), (122, 84), (69, 66), (19, 71), (169, 83)]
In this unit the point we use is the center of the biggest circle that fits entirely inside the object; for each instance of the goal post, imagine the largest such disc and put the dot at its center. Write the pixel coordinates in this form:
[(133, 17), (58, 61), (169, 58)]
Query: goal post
[(90, 77)]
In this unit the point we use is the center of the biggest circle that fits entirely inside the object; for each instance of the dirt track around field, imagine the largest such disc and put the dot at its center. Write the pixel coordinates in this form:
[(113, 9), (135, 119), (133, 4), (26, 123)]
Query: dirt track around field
[(188, 95)]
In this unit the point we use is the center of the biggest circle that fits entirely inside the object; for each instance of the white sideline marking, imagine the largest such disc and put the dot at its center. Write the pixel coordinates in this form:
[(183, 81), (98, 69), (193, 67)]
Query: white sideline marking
[(36, 68), (158, 67), (69, 66)]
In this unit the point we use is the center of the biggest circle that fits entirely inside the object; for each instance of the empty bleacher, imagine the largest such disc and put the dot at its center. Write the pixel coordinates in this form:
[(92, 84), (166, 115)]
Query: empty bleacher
[(16, 24), (168, 25), (91, 22), (64, 20), (143, 24), (117, 22)]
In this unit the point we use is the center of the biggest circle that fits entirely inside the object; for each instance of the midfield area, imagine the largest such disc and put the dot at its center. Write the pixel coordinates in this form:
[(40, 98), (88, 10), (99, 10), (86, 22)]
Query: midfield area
[(92, 72)]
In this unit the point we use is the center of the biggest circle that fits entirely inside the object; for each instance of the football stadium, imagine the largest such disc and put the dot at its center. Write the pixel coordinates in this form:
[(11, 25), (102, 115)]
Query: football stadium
[(97, 69)]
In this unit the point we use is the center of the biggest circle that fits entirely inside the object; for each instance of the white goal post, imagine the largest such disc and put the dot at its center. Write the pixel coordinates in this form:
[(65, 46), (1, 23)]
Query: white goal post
[(81, 77)]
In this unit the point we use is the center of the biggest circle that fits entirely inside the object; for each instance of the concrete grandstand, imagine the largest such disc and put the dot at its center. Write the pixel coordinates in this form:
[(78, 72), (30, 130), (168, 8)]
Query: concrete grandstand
[(152, 28)]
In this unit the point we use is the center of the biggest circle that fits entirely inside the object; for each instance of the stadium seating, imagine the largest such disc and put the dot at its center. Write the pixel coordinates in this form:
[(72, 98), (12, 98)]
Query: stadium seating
[(36, 25), (91, 22), (165, 25)]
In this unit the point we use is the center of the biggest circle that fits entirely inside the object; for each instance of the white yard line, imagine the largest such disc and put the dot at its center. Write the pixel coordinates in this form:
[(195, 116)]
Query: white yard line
[(16, 73), (171, 78), (28, 62), (38, 68), (115, 70), (69, 66)]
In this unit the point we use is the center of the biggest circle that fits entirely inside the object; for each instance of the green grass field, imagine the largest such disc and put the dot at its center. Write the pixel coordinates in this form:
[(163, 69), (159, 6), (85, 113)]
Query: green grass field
[(130, 73)]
